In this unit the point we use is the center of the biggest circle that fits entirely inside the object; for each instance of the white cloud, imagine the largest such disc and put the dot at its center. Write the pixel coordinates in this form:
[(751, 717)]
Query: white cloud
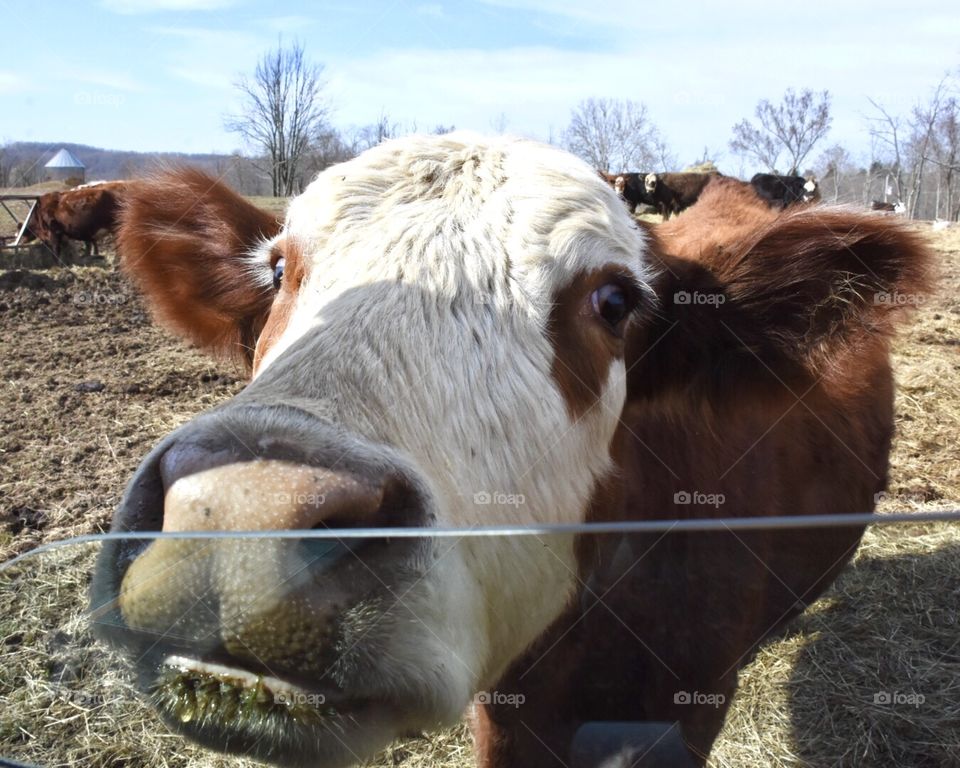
[(694, 99), (117, 81), (157, 6), (11, 82), (289, 24), (211, 58), (434, 10)]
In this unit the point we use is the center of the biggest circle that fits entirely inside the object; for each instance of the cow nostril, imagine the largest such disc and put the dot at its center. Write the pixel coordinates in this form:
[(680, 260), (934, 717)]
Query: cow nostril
[(266, 494), (184, 459), (395, 504)]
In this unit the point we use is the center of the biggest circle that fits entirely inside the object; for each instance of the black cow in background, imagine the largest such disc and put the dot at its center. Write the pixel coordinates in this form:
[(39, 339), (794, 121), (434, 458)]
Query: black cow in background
[(671, 193), (780, 191)]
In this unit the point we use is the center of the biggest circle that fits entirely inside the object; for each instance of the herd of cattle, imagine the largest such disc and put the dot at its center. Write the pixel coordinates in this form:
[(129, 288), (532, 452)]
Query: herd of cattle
[(88, 212), (670, 193)]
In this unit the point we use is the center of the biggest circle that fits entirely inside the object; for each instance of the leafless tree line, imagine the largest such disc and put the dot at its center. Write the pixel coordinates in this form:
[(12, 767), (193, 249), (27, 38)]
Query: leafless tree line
[(616, 135), (917, 153), (284, 122)]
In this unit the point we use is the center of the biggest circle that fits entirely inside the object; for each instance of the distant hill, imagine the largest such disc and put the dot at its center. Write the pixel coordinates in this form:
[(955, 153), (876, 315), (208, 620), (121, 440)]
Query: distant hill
[(106, 164), (23, 162)]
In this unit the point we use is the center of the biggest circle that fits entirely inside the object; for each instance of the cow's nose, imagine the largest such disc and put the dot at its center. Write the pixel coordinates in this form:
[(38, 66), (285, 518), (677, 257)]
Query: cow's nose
[(203, 491)]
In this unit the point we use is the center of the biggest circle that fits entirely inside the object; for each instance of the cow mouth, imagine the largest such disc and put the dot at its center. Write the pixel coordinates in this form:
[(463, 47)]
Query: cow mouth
[(193, 691), (265, 717)]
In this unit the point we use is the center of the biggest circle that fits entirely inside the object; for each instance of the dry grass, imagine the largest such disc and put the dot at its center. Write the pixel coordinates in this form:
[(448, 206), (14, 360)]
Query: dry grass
[(277, 205), (889, 624)]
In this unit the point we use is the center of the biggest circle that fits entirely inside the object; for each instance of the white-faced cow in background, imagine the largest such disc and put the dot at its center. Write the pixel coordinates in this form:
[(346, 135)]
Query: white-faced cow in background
[(445, 325), (671, 193)]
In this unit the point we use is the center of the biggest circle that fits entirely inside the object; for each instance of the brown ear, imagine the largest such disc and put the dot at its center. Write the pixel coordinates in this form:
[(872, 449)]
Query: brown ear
[(185, 239), (780, 297)]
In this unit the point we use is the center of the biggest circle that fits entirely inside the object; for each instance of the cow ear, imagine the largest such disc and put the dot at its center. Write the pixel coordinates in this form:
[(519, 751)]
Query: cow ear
[(187, 240), (781, 300)]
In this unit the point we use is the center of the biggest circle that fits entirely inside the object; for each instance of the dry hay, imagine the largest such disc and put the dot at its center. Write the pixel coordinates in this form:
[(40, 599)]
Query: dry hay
[(889, 624)]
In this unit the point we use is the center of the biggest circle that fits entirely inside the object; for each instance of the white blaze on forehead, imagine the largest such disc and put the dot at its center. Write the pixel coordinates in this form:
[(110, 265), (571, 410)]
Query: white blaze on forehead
[(810, 185), (650, 182), (487, 220)]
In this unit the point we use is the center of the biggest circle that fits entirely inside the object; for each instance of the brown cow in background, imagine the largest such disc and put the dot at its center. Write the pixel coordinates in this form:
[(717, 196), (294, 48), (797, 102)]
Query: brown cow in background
[(85, 213)]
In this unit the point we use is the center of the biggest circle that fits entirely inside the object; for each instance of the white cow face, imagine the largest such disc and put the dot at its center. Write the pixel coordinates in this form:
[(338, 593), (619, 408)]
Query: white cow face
[(440, 341)]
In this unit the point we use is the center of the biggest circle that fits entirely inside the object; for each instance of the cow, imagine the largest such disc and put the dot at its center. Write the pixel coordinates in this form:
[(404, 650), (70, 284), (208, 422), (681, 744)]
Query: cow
[(671, 193), (630, 187), (880, 205), (455, 331), (84, 213), (780, 191)]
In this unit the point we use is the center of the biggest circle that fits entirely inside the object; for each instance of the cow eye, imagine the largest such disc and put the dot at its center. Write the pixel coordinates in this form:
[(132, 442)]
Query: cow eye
[(278, 273), (611, 303)]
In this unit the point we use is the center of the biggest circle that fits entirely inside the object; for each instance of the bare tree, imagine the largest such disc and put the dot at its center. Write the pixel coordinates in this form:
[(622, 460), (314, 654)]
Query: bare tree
[(375, 133), (327, 149), (833, 166), (5, 162), (886, 130), (24, 174), (615, 135), (923, 125), (793, 126), (283, 112), (946, 156)]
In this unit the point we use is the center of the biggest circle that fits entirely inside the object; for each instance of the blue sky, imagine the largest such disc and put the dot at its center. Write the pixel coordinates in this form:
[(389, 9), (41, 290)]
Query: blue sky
[(158, 74)]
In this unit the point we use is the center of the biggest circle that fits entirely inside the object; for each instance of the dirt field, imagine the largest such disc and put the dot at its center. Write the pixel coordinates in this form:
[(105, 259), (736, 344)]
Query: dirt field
[(88, 385)]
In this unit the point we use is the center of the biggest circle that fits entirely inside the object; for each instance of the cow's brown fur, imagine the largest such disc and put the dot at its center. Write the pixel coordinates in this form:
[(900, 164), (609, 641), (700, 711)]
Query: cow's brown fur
[(286, 299), (583, 346), (197, 282), (781, 400)]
